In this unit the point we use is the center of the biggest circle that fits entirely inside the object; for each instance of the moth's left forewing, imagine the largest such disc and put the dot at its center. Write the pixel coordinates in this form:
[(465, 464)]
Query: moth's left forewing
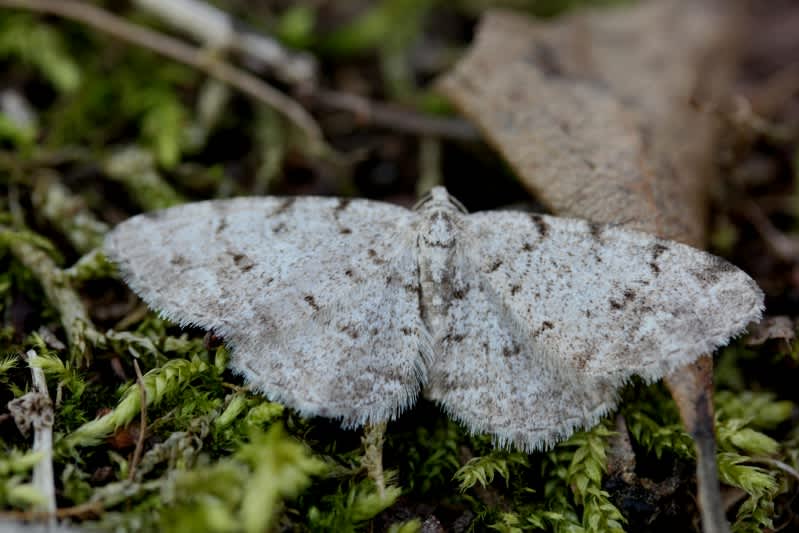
[(563, 312), (611, 302)]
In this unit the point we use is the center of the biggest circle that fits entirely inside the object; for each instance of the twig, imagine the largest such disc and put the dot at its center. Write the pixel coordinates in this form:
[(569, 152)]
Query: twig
[(136, 170), (137, 314), (44, 157), (67, 212), (93, 265), (620, 454), (218, 29), (59, 293), (271, 137), (142, 422), (385, 115), (711, 507), (80, 510), (65, 512), (392, 116), (785, 247), (691, 388), (43, 441), (177, 50), (788, 469)]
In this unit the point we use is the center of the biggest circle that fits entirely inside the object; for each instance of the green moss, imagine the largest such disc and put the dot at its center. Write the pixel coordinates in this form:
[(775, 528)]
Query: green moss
[(483, 469), (411, 526), (7, 363), (23, 37), (575, 470), (653, 422), (159, 384), (15, 488), (348, 508)]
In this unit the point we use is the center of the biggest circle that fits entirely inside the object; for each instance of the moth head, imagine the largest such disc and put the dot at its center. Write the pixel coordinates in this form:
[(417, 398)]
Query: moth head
[(439, 198)]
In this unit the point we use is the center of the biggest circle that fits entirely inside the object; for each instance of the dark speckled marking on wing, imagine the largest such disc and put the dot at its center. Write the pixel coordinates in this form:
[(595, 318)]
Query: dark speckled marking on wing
[(304, 305), (561, 324), (540, 225), (521, 325)]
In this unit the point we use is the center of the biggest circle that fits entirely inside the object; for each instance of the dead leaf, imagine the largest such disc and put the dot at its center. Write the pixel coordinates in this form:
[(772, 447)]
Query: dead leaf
[(596, 111)]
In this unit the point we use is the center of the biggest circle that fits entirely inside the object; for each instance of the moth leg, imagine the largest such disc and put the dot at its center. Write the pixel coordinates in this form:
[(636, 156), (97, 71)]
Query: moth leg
[(372, 460)]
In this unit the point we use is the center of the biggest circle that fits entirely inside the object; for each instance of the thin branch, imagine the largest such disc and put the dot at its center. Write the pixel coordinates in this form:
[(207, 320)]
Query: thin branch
[(620, 453), (218, 29), (177, 50), (142, 422), (788, 469), (83, 509), (59, 292), (80, 510), (373, 113), (784, 246), (711, 508), (393, 117), (691, 389), (67, 212)]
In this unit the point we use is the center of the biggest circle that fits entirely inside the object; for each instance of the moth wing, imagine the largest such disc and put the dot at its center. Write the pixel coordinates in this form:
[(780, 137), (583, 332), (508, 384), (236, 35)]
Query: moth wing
[(317, 297), (554, 315)]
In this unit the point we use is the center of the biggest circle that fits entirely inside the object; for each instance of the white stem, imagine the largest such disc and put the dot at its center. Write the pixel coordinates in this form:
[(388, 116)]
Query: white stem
[(43, 442)]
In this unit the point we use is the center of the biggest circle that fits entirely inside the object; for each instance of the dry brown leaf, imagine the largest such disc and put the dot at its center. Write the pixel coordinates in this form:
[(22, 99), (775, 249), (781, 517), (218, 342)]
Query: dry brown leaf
[(596, 113)]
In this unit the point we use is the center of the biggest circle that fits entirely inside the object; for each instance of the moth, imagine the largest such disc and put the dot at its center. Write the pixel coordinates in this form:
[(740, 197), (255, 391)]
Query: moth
[(520, 325)]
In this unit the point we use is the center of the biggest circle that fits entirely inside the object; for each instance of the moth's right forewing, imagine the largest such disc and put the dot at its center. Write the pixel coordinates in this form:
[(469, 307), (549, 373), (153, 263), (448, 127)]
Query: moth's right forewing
[(317, 296)]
